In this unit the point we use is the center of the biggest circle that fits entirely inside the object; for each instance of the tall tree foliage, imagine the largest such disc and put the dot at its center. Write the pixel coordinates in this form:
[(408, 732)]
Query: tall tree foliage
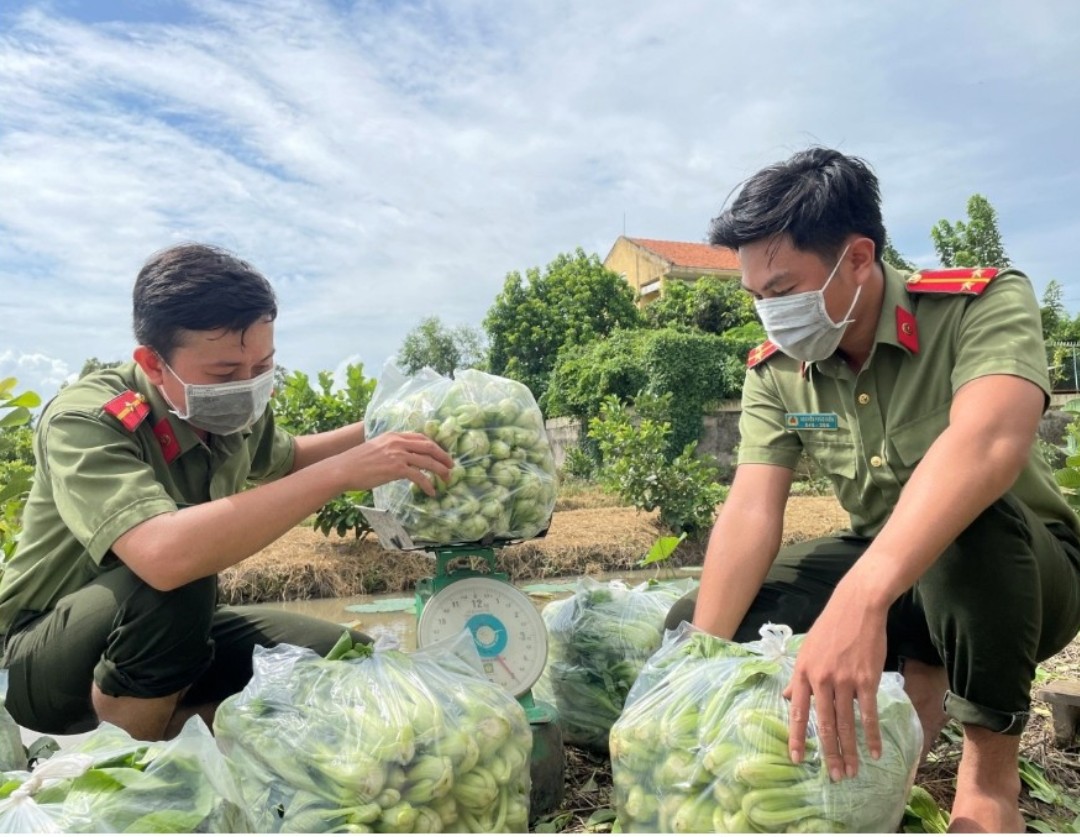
[(711, 304), (446, 350), (573, 301), (972, 243), (890, 254)]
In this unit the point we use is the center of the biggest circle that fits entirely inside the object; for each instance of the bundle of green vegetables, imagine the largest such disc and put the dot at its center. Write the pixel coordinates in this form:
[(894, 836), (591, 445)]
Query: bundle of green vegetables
[(110, 782), (502, 485), (704, 749), (378, 741), (598, 640)]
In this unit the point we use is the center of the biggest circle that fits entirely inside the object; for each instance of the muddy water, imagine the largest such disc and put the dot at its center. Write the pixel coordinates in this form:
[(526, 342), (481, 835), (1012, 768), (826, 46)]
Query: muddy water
[(398, 621)]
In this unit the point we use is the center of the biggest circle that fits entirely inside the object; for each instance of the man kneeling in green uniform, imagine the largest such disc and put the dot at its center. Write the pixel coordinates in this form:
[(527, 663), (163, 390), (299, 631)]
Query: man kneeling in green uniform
[(920, 397), (109, 604)]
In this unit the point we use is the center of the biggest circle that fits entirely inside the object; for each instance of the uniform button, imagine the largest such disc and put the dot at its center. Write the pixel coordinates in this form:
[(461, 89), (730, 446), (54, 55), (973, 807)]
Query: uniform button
[(876, 461), (864, 399)]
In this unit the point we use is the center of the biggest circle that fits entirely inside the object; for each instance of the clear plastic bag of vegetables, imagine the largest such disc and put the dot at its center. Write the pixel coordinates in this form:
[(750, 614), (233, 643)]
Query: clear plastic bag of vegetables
[(705, 748), (502, 486), (598, 640), (377, 740), (110, 782), (12, 751)]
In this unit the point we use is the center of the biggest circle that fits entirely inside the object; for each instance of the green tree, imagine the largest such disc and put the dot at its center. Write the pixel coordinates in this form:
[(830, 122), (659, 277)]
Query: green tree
[(301, 409), (633, 464), (573, 301), (972, 243), (446, 350), (1062, 335), (92, 364), (1054, 315), (890, 254), (711, 304)]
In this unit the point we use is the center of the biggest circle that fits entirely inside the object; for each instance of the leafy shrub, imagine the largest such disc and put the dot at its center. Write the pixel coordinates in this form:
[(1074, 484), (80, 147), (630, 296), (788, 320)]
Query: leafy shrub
[(634, 464), (1068, 476), (16, 475), (579, 464), (301, 409)]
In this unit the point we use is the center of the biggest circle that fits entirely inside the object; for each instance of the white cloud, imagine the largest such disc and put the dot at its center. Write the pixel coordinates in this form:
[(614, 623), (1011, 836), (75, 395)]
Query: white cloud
[(384, 163), (35, 372)]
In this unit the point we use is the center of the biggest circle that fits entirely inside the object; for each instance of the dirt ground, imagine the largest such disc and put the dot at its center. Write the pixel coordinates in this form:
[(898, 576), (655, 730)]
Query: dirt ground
[(306, 564)]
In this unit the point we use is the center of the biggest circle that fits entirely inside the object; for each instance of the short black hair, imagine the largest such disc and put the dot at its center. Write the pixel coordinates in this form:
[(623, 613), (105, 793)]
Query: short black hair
[(817, 197), (197, 287)]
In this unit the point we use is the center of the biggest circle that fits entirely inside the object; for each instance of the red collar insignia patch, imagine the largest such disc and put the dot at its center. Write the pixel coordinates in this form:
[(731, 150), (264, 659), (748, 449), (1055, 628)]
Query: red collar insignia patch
[(907, 330), (167, 439)]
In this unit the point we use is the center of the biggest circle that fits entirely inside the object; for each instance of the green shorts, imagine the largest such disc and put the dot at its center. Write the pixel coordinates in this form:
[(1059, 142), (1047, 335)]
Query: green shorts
[(135, 641)]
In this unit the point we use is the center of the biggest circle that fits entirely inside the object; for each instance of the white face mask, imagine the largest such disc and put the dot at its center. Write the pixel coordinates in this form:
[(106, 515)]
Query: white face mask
[(222, 409), (800, 325)]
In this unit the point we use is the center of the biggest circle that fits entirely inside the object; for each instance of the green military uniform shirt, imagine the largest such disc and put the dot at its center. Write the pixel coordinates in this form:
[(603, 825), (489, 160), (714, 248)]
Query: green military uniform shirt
[(868, 431), (101, 473)]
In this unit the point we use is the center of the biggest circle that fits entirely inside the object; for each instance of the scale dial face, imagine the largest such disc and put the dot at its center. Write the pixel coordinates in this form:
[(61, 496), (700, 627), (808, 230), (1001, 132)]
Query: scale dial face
[(508, 630)]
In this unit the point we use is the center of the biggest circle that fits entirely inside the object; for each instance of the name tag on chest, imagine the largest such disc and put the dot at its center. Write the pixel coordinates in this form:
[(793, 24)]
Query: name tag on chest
[(811, 421)]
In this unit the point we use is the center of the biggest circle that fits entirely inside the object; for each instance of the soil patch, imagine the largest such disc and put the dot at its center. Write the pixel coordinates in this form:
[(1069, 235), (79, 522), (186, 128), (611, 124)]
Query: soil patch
[(305, 564)]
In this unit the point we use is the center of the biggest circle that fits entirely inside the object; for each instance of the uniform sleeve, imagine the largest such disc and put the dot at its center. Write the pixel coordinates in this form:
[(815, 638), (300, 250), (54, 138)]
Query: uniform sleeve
[(764, 439), (274, 453), (100, 481), (1001, 334)]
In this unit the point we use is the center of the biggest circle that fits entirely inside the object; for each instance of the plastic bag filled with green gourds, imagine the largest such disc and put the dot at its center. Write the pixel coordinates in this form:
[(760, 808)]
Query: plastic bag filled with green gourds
[(598, 640), (112, 783), (502, 485), (702, 746), (369, 740)]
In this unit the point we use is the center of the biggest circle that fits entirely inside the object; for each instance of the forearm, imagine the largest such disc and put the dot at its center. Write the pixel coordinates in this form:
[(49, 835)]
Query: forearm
[(320, 446), (174, 549), (742, 547)]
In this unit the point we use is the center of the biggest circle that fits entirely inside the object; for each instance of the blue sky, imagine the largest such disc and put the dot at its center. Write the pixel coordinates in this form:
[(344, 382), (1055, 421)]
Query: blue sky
[(382, 162)]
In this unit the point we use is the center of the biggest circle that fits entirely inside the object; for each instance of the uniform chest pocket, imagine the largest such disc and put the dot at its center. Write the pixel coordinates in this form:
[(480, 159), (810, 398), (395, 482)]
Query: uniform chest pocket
[(834, 456), (912, 439)]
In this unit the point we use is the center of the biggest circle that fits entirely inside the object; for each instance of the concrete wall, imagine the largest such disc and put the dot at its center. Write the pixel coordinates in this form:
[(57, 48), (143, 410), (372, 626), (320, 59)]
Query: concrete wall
[(720, 434)]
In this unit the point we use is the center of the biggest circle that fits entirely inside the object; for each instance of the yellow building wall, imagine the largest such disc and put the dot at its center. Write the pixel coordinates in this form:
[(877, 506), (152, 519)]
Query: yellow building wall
[(638, 267)]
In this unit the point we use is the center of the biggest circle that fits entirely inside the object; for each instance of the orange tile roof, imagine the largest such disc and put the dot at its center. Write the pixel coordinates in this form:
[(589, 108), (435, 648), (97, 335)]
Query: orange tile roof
[(689, 254)]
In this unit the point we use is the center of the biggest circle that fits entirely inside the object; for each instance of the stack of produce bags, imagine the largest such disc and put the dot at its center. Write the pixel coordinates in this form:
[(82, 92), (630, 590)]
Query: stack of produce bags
[(502, 486), (598, 640), (378, 741), (110, 782), (702, 746)]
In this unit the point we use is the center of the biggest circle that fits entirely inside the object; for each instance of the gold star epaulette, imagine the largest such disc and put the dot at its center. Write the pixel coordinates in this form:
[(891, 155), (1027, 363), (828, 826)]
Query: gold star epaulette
[(952, 280), (760, 354), (129, 408)]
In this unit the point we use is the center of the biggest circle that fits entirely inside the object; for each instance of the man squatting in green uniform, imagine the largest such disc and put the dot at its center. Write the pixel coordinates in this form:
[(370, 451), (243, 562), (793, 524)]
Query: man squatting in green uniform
[(920, 397), (109, 605)]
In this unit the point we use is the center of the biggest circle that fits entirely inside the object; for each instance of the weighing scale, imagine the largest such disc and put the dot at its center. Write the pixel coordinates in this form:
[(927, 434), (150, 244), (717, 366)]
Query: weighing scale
[(509, 632), (468, 591)]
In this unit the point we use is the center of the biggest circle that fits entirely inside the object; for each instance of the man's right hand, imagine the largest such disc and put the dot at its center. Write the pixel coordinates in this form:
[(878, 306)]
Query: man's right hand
[(395, 456)]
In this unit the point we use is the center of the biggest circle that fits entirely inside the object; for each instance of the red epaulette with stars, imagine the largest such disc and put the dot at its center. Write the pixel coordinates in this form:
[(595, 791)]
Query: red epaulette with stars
[(129, 408), (760, 354), (952, 280)]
